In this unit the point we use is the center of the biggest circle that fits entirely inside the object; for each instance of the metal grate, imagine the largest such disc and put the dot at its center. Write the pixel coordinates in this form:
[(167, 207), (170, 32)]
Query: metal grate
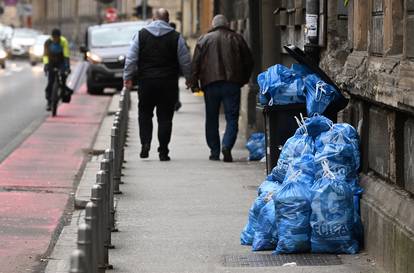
[(267, 260)]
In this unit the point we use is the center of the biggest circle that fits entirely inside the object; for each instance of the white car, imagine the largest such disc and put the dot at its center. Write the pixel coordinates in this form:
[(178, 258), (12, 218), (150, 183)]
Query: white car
[(36, 51), (22, 40)]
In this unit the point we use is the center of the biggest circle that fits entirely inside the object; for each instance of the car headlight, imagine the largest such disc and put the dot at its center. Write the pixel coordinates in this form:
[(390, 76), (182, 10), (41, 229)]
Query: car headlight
[(37, 51), (3, 54), (93, 58)]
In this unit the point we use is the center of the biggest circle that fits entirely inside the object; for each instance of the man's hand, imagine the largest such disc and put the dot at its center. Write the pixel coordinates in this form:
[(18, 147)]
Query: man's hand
[(128, 84)]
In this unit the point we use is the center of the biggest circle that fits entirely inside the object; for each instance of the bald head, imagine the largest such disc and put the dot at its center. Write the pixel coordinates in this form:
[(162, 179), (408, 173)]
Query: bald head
[(161, 14), (220, 21)]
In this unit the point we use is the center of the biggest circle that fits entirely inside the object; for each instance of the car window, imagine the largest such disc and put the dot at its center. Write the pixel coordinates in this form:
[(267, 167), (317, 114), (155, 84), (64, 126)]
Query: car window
[(24, 34), (113, 36)]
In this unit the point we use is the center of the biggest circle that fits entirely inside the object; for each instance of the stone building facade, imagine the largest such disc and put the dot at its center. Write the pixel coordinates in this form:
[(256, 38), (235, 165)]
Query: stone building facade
[(367, 47)]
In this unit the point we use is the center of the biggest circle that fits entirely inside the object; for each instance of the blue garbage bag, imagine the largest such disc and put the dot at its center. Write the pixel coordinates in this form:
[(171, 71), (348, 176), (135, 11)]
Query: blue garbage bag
[(282, 85), (341, 133), (333, 216), (306, 165), (247, 235), (299, 144), (268, 186), (316, 125), (293, 210), (339, 147), (319, 94), (265, 236), (300, 70), (256, 146)]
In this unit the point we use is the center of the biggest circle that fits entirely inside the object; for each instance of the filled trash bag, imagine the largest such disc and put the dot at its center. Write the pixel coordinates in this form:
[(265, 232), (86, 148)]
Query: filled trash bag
[(319, 94), (265, 236), (340, 133), (316, 125), (339, 147), (293, 210), (268, 186), (256, 146), (306, 165), (333, 217), (247, 235), (282, 85), (296, 146)]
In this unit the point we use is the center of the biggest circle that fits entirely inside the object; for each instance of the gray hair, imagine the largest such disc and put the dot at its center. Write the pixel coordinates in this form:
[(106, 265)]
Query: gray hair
[(220, 21)]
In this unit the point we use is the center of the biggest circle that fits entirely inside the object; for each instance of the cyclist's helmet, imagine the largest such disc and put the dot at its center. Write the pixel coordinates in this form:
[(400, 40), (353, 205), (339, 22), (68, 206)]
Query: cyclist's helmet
[(56, 33)]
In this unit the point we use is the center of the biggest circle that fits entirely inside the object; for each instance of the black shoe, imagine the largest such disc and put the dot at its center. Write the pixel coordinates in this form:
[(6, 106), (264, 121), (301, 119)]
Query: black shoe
[(227, 155), (164, 157), (214, 157), (177, 106), (145, 151)]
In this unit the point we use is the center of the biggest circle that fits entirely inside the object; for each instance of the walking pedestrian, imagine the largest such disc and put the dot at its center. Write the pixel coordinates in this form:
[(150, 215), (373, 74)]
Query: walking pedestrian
[(222, 64), (157, 53)]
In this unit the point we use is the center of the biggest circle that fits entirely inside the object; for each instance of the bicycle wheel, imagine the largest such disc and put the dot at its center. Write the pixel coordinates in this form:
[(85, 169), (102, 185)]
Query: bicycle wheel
[(55, 96)]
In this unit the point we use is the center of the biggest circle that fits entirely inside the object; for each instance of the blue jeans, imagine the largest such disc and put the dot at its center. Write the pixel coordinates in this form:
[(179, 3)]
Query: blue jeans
[(215, 94)]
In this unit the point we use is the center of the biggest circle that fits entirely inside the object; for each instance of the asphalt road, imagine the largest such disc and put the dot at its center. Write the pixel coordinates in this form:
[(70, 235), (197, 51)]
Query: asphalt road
[(22, 103)]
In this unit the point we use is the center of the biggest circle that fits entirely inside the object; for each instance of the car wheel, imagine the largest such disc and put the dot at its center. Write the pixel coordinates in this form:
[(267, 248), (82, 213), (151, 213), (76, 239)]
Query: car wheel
[(33, 63), (3, 65)]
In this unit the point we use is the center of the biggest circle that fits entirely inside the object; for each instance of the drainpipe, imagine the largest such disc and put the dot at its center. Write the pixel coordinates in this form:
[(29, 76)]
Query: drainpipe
[(312, 30)]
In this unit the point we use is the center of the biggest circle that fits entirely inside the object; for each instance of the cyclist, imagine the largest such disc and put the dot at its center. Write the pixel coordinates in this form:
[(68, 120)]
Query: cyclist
[(56, 55)]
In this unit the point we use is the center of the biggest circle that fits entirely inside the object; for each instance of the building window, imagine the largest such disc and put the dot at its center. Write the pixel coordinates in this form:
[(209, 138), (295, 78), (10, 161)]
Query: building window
[(377, 28)]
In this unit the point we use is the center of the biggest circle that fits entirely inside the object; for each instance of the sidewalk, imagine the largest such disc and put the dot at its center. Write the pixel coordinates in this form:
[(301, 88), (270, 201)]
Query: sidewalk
[(186, 215)]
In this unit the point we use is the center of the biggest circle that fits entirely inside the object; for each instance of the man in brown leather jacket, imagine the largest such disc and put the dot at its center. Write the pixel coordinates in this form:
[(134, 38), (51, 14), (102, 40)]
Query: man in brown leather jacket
[(221, 65)]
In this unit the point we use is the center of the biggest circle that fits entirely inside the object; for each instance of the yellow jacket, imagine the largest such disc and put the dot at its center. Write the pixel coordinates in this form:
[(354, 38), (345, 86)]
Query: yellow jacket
[(65, 45)]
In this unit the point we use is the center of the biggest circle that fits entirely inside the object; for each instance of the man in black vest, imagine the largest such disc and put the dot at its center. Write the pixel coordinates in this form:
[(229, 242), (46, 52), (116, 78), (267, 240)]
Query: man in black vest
[(157, 54)]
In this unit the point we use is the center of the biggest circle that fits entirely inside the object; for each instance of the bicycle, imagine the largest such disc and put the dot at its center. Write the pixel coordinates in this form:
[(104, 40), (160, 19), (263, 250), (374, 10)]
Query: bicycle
[(58, 89)]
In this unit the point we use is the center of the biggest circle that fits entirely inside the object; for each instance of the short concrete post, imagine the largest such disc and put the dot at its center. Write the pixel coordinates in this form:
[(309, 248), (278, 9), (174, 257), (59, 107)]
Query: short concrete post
[(85, 244), (101, 179), (116, 172), (96, 198), (109, 155), (77, 262), (91, 219), (105, 167)]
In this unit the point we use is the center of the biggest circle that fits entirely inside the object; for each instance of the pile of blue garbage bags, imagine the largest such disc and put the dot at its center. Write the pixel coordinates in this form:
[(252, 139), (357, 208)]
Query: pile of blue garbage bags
[(310, 200), (280, 85)]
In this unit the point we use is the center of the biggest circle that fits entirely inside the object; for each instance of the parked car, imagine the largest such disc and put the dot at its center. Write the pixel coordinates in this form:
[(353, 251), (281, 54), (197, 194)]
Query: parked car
[(6, 34), (105, 50), (22, 40), (36, 51), (3, 57)]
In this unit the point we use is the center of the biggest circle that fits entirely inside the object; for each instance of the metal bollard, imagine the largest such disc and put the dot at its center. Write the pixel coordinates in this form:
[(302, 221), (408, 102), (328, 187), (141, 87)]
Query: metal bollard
[(101, 179), (96, 198), (116, 172), (91, 219), (77, 262), (85, 244), (109, 155), (105, 167)]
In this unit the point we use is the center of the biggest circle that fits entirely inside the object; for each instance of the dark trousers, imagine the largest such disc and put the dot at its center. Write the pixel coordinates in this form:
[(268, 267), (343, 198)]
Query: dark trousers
[(215, 94), (162, 95), (51, 74)]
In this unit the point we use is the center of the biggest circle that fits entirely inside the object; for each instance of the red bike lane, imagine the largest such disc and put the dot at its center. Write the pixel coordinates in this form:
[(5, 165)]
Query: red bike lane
[(36, 181)]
